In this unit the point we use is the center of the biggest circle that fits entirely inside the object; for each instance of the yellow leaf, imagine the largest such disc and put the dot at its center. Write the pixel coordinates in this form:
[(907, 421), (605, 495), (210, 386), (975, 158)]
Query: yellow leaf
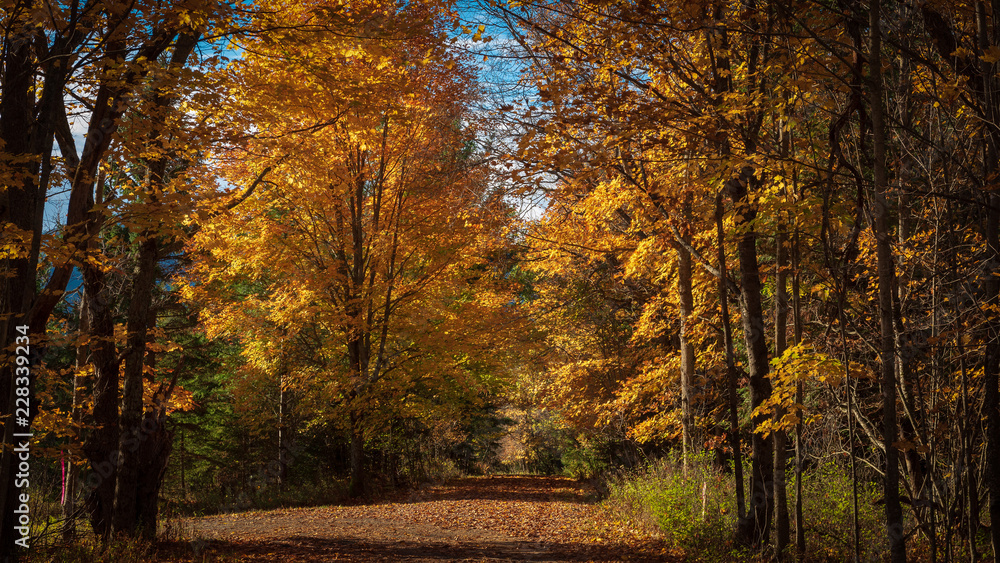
[(992, 54)]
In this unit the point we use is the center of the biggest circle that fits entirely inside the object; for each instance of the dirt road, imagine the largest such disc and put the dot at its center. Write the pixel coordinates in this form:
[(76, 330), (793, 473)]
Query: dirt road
[(478, 519)]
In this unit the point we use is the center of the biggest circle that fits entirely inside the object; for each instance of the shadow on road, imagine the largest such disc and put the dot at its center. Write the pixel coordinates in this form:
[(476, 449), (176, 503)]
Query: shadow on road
[(529, 488), (298, 549)]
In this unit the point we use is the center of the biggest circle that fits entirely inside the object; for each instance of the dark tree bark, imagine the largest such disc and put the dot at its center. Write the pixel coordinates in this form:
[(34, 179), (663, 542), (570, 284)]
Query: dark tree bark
[(731, 378), (26, 126), (127, 504), (17, 208), (152, 457), (284, 436), (971, 489), (780, 436), (991, 372), (101, 447), (800, 531), (686, 307), (886, 283), (356, 488), (756, 528)]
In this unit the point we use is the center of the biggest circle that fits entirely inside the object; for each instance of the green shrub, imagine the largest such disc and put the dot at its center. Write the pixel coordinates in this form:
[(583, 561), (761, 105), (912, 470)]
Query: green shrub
[(441, 469), (828, 506), (583, 462), (693, 508)]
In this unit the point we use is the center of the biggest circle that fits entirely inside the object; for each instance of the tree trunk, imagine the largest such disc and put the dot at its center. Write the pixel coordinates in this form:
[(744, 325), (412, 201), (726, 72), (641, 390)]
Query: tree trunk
[(991, 373), (127, 504), (283, 454), (183, 461), (357, 485), (800, 531), (102, 444), (757, 526), (886, 282), (991, 365), (358, 353), (152, 457), (780, 437), (18, 207), (731, 380), (72, 473), (971, 487), (686, 307)]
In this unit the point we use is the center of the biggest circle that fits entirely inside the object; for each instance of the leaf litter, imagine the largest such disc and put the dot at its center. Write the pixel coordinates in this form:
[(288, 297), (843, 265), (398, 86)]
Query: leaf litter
[(481, 519)]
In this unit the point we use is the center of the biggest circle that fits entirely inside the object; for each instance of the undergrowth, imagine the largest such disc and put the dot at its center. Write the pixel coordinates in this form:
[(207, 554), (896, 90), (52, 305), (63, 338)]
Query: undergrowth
[(692, 509), (695, 510)]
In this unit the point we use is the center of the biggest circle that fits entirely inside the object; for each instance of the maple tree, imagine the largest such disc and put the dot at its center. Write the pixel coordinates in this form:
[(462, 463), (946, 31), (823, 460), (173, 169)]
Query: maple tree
[(361, 262)]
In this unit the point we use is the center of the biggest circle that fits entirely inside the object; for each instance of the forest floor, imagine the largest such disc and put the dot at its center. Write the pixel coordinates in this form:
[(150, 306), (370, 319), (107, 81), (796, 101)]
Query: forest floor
[(503, 518)]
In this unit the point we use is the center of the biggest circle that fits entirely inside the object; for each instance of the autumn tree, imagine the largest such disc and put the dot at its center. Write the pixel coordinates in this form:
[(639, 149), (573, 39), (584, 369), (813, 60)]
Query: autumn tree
[(115, 58), (686, 94), (370, 233)]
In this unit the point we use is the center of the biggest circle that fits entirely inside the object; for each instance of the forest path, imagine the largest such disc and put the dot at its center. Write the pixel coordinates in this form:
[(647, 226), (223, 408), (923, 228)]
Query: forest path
[(508, 518)]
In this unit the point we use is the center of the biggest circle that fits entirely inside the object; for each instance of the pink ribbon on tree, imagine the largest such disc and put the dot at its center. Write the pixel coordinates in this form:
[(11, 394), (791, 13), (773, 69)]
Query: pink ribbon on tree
[(62, 462)]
